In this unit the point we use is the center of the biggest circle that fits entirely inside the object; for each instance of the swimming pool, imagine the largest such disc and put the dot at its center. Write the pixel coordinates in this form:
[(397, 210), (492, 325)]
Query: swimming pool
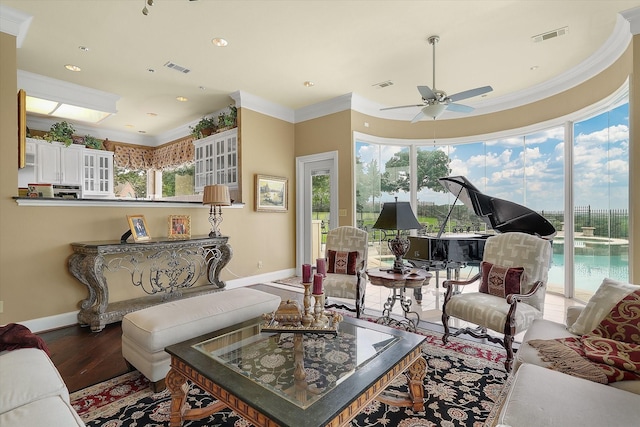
[(590, 270)]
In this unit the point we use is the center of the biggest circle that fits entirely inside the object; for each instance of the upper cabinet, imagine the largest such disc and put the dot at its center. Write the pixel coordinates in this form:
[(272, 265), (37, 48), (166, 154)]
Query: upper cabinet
[(98, 173), (217, 161), (57, 164)]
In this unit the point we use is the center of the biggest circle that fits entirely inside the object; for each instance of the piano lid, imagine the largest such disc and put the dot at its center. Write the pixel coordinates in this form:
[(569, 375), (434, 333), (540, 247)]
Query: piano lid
[(501, 215)]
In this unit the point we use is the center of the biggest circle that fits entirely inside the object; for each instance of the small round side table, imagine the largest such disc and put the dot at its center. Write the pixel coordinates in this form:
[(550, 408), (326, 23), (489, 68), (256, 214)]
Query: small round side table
[(398, 283)]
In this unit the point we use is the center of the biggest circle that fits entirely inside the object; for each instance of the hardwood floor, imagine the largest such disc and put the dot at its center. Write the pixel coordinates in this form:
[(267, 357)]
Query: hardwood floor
[(85, 358)]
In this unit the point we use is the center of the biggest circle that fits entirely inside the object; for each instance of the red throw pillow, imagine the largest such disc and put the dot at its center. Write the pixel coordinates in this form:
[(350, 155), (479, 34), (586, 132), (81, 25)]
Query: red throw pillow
[(342, 262), (501, 281)]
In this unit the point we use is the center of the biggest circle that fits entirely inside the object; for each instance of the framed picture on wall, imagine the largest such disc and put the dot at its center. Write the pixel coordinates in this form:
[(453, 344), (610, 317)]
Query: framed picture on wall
[(139, 228), (180, 226), (271, 194)]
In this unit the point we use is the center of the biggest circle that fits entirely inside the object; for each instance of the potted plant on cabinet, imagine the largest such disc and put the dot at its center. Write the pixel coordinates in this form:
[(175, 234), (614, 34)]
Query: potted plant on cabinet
[(93, 142), (61, 132), (205, 127), (228, 120)]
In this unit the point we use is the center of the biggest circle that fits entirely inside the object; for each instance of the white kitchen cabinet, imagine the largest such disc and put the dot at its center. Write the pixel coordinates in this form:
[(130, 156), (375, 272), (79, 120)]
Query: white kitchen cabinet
[(217, 160), (98, 173), (57, 164)]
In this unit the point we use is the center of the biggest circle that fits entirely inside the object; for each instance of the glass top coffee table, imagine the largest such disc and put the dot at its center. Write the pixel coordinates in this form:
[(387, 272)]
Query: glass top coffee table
[(296, 379)]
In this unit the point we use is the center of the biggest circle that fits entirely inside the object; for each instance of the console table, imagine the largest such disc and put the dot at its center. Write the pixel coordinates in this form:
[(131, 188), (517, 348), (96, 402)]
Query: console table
[(165, 269)]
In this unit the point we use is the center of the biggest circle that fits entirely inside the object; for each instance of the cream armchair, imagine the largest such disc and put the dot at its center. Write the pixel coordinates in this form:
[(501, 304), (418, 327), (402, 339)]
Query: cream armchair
[(515, 260), (346, 253)]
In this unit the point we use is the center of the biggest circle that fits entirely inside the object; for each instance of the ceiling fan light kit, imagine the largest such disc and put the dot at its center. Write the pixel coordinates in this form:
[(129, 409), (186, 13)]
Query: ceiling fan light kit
[(435, 102)]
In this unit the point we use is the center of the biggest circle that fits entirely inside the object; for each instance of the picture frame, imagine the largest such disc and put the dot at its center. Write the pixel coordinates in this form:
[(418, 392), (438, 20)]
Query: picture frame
[(139, 228), (22, 128), (179, 226), (271, 193)]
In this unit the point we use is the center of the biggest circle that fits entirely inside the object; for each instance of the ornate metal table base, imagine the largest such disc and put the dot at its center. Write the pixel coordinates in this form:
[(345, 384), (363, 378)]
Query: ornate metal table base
[(405, 302), (165, 269)]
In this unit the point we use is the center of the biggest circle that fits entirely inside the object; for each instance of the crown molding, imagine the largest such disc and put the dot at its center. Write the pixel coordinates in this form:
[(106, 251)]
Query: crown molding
[(260, 105), (15, 23), (633, 16)]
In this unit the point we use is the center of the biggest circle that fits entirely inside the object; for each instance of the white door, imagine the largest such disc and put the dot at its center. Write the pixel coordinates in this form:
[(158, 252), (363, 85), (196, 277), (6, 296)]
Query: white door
[(71, 162), (323, 164)]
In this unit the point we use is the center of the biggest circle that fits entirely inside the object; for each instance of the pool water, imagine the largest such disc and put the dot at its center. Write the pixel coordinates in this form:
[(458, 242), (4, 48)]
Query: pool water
[(590, 270)]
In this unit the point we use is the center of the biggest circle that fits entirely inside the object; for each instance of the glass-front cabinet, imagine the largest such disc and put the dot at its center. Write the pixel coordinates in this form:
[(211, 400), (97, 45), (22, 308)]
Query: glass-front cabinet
[(217, 160), (98, 173)]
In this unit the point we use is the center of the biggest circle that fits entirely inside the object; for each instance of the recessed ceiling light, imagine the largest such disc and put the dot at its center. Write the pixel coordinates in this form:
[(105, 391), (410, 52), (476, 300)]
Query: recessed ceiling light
[(152, 114), (308, 83), (219, 41), (72, 67), (182, 98), (142, 131), (128, 126)]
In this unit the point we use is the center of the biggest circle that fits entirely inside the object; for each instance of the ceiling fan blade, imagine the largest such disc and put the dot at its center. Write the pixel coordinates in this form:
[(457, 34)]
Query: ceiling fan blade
[(402, 106), (470, 93), (426, 92), (418, 117), (459, 108)]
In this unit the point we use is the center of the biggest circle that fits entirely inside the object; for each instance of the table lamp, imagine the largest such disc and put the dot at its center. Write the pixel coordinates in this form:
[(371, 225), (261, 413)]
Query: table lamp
[(397, 216), (216, 195)]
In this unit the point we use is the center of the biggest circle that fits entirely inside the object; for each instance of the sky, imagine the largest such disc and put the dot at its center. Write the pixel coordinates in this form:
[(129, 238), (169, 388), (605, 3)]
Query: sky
[(529, 170)]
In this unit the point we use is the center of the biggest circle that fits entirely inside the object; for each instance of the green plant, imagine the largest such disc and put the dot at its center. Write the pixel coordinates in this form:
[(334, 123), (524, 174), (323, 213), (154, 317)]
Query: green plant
[(198, 131), (228, 119), (61, 132), (93, 142)]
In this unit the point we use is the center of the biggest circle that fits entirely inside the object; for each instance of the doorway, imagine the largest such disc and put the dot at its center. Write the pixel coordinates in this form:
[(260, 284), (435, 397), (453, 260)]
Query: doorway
[(321, 170)]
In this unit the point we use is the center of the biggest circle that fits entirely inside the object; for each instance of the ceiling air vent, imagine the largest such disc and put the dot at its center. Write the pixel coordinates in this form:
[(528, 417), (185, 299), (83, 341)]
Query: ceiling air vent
[(176, 67), (550, 34), (384, 84)]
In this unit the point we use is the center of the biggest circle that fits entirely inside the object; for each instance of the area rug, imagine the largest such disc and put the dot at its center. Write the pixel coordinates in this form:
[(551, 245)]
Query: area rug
[(295, 281), (463, 385)]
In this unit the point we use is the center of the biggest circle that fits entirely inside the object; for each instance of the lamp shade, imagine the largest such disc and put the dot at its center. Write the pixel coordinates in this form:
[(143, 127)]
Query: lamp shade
[(397, 216), (217, 195)]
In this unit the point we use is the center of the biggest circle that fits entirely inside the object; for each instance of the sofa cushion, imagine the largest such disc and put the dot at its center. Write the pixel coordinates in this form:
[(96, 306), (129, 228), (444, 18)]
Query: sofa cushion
[(46, 412), (606, 297), (30, 376), (541, 397), (501, 281)]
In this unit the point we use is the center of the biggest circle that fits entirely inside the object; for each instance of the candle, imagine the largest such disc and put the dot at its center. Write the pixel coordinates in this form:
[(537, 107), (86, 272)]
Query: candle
[(306, 273), (317, 284), (321, 266)]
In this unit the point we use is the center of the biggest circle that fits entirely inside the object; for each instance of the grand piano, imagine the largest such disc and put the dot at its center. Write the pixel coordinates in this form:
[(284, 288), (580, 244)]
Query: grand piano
[(450, 252)]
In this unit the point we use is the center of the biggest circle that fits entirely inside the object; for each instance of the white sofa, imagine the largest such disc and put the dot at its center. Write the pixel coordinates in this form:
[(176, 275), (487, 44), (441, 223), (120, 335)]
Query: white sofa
[(32, 393), (544, 397)]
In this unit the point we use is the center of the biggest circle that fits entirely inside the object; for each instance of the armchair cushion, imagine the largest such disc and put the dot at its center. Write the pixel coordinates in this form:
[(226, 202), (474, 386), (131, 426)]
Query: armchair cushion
[(606, 297), (490, 311), (501, 281), (342, 262)]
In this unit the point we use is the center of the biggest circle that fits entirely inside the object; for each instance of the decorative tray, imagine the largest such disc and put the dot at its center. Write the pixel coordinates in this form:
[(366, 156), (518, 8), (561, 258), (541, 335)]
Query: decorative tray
[(270, 324)]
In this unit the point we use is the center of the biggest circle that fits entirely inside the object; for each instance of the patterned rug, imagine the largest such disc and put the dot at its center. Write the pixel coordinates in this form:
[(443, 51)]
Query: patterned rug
[(463, 387)]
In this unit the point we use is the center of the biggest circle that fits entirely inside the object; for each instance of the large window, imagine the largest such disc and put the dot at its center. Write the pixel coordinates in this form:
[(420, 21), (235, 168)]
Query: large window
[(529, 170)]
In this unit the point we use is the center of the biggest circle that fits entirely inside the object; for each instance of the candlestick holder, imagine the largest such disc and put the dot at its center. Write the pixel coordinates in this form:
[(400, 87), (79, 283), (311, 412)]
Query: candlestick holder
[(307, 316), (319, 319)]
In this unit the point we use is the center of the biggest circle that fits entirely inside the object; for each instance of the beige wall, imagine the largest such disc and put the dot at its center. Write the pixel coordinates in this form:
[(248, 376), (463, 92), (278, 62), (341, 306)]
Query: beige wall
[(34, 241)]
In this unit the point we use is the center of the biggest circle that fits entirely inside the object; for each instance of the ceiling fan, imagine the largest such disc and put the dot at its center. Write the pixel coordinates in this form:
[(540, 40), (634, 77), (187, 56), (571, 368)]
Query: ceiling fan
[(434, 101)]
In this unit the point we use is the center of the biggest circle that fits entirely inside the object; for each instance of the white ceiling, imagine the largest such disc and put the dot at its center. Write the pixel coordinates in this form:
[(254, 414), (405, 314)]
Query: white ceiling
[(275, 46)]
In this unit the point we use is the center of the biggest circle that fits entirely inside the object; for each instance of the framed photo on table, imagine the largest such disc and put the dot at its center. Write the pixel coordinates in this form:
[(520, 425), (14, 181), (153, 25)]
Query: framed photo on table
[(139, 228), (271, 194), (180, 226)]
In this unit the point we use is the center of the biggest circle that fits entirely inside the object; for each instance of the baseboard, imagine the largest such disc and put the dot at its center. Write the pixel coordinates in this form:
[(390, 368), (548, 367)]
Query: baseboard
[(68, 319)]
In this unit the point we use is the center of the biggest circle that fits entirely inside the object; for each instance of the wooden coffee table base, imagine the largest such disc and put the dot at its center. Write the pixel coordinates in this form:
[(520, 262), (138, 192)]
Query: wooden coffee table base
[(413, 365)]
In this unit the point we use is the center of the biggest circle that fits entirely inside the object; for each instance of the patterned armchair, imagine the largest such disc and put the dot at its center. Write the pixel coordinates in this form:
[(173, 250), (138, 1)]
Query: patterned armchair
[(513, 278), (346, 271)]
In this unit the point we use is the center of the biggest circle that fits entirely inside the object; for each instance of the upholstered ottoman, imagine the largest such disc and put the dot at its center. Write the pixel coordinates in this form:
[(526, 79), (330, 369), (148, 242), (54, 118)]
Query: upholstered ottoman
[(146, 333)]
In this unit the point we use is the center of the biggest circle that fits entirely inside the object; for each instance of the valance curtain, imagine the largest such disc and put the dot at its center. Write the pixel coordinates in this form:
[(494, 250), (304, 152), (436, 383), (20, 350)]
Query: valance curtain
[(158, 158)]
